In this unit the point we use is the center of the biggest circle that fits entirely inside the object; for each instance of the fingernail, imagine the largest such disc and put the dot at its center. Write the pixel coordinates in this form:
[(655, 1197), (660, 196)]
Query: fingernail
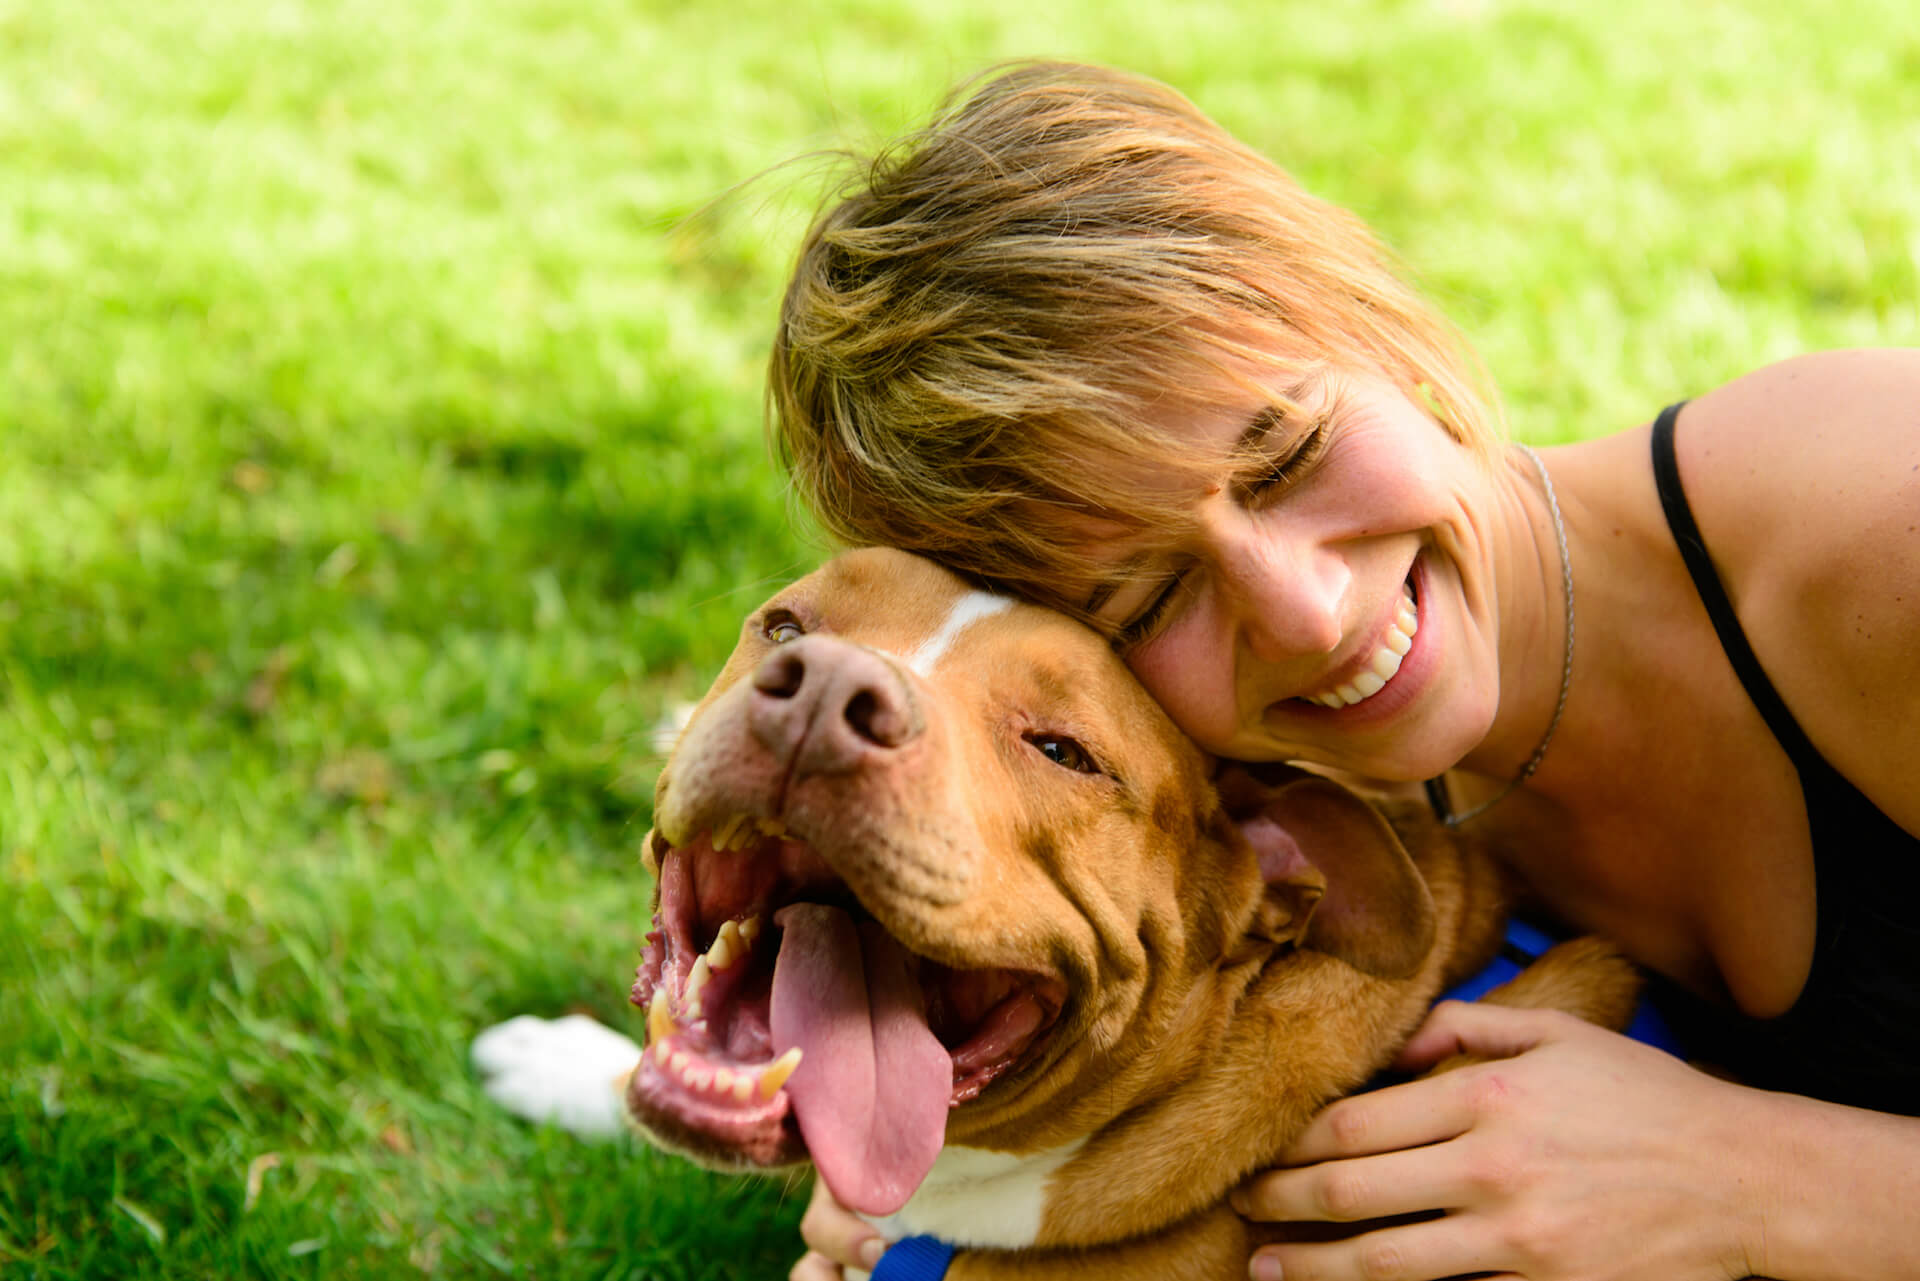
[(1265, 1268), (870, 1251)]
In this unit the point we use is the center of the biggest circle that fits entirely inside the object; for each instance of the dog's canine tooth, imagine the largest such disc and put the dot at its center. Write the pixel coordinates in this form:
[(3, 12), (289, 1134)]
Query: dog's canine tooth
[(659, 1018), (696, 979), (725, 944), (777, 1073)]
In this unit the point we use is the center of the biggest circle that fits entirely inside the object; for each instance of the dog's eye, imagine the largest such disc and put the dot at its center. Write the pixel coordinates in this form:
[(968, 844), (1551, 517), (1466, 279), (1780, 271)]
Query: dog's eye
[(782, 627), (1064, 752)]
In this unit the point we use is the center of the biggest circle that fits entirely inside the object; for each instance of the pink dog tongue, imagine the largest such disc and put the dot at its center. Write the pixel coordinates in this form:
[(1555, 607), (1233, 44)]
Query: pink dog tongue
[(873, 1085)]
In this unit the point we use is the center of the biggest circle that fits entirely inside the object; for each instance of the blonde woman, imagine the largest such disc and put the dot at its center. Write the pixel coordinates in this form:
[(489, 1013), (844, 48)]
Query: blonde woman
[(1075, 339)]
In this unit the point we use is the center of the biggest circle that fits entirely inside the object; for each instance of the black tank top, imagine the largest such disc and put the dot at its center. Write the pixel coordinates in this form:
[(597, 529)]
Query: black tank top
[(1853, 1034)]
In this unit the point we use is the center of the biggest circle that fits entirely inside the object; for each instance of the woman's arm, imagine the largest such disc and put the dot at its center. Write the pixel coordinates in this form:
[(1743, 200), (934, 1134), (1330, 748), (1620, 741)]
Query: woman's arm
[(1587, 1155)]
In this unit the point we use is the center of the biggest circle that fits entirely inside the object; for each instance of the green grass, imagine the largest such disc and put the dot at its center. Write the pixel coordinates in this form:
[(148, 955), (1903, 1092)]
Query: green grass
[(380, 453)]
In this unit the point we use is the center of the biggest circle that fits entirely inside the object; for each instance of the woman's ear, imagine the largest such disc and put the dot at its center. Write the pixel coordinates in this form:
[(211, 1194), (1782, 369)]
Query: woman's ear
[(1338, 879)]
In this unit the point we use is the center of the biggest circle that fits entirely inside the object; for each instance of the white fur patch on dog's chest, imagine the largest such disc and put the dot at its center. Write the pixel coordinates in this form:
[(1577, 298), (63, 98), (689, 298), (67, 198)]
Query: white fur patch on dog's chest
[(972, 1197), (966, 611)]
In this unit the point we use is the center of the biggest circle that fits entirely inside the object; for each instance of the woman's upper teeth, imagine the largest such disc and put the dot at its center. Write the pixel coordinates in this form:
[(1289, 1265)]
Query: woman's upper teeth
[(1382, 664)]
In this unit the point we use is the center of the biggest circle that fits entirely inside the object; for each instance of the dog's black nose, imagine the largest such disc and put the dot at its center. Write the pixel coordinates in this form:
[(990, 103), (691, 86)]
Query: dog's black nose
[(830, 706)]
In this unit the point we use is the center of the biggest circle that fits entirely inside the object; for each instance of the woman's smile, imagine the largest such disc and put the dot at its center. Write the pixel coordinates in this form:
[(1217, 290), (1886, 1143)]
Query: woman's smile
[(1379, 660)]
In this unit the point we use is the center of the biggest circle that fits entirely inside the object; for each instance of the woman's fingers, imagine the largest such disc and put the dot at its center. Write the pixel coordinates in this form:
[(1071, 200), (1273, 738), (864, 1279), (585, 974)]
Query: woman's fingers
[(835, 1232), (1414, 1252), (1389, 1120), (1375, 1187), (1482, 1030), (1403, 1131), (815, 1267)]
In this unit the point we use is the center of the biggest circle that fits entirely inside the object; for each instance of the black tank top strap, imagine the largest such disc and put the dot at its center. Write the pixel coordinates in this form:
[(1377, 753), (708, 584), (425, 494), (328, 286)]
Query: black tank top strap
[(1853, 1034), (1706, 581)]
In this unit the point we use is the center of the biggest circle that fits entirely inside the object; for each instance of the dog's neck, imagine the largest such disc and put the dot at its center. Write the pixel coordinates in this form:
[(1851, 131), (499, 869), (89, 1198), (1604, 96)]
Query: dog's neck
[(988, 1200)]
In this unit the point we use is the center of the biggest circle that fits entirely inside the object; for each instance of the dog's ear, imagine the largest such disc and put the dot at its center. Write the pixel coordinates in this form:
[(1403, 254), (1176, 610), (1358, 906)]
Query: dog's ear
[(1338, 879)]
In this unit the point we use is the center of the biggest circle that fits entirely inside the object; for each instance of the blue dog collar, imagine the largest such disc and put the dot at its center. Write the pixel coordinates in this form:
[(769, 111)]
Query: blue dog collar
[(914, 1259), (1524, 945)]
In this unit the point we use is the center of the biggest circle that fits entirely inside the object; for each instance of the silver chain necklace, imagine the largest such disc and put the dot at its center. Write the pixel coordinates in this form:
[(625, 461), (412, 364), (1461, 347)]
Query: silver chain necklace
[(1566, 662)]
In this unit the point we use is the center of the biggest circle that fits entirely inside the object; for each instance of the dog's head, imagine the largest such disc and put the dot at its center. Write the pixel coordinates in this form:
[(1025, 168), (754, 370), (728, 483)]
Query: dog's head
[(932, 863)]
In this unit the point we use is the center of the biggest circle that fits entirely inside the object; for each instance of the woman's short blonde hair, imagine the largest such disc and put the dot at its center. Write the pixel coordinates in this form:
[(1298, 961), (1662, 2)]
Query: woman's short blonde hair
[(981, 325)]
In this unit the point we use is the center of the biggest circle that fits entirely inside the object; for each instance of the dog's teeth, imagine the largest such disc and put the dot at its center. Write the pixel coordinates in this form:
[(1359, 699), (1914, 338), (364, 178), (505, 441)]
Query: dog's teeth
[(771, 827), (725, 945), (699, 1078), (696, 980), (733, 833), (659, 1018), (777, 1073), (679, 1062), (750, 928), (662, 1052), (742, 1087), (723, 1080)]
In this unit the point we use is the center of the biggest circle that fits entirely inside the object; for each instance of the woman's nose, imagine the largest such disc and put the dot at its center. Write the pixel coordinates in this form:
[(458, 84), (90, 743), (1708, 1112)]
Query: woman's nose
[(1286, 594)]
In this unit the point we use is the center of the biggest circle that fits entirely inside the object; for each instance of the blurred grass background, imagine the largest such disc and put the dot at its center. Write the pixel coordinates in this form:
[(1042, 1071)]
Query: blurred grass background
[(380, 453)]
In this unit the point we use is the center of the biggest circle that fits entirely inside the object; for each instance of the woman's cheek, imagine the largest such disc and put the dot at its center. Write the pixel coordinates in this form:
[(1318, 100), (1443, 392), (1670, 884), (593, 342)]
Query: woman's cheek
[(1193, 682)]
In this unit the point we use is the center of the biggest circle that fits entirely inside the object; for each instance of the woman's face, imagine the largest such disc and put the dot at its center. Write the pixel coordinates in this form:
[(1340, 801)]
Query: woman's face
[(1335, 602)]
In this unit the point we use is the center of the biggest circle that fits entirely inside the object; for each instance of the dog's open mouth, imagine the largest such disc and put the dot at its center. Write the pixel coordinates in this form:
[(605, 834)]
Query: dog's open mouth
[(779, 1010)]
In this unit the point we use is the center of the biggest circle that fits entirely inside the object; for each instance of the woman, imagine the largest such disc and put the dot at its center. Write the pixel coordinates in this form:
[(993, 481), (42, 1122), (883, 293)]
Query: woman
[(1076, 340)]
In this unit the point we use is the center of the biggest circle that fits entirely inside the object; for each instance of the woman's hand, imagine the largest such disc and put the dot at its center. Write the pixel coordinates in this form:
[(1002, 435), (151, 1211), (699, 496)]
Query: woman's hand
[(836, 1237), (1577, 1154)]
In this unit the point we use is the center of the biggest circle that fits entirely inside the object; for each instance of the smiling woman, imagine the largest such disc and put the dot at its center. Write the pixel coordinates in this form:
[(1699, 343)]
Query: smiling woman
[(1075, 340)]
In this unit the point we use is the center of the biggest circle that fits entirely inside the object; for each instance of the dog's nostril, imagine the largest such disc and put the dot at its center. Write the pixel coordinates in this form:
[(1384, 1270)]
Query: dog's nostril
[(863, 710), (879, 719), (781, 676)]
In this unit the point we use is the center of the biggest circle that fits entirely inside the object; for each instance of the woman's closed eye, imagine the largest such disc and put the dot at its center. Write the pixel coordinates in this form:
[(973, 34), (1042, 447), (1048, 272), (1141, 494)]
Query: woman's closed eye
[(1269, 476), (1139, 629)]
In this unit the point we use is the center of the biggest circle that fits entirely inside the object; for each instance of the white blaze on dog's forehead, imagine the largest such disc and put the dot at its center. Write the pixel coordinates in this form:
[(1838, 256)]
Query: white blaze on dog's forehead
[(988, 1200), (967, 611)]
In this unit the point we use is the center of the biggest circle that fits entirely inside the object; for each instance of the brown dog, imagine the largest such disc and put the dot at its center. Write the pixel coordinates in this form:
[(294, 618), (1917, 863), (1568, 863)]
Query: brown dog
[(948, 905)]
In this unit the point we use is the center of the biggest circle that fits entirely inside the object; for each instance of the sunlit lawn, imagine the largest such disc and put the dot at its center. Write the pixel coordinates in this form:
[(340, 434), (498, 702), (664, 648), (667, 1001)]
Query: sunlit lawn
[(380, 453)]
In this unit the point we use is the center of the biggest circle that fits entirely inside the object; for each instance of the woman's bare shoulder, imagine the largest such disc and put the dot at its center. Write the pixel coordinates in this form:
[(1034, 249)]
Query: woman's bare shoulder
[(1805, 479)]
